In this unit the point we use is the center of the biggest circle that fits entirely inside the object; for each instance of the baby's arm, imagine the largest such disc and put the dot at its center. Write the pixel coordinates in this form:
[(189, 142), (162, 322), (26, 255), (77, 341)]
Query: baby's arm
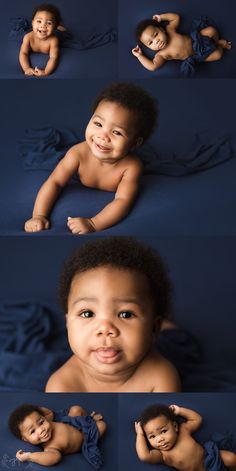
[(51, 189), (47, 457), (193, 419), (47, 413), (167, 379), (24, 56), (172, 18), (117, 209), (149, 64), (53, 59), (143, 452)]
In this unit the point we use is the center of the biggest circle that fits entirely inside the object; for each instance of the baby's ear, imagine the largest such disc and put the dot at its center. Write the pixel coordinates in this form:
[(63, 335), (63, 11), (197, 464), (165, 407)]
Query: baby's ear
[(139, 142), (176, 426)]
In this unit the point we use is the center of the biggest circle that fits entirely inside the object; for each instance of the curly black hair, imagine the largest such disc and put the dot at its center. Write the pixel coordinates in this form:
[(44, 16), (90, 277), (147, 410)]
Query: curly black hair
[(142, 25), (125, 253), (50, 9), (135, 99), (156, 410), (19, 415)]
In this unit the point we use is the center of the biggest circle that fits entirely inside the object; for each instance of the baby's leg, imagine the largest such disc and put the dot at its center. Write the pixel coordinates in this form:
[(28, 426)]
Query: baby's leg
[(98, 418), (76, 410), (229, 459), (211, 32)]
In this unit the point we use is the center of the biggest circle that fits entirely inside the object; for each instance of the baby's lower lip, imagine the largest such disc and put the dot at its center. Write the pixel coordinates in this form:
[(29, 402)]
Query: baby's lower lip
[(107, 355)]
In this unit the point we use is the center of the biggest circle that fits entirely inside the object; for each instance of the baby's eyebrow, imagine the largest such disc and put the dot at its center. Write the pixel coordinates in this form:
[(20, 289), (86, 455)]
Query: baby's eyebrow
[(126, 300)]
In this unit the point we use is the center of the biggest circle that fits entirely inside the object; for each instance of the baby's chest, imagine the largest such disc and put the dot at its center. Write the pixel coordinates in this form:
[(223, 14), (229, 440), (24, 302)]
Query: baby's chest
[(106, 179), (41, 47)]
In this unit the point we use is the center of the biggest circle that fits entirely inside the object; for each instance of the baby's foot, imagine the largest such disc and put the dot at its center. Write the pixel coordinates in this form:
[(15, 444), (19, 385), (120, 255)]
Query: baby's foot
[(225, 44), (96, 416), (80, 225)]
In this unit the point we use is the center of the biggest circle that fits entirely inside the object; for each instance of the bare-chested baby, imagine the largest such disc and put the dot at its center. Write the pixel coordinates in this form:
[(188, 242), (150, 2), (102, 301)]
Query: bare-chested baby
[(58, 433), (160, 439), (203, 43), (124, 116), (116, 293), (46, 19)]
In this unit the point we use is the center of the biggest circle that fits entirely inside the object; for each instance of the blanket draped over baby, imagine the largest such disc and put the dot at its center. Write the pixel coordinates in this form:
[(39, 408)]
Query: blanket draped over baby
[(43, 148), (88, 427), (89, 37), (218, 441)]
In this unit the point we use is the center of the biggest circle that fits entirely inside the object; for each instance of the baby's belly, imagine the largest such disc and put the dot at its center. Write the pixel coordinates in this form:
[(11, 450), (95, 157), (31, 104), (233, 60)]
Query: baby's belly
[(184, 49)]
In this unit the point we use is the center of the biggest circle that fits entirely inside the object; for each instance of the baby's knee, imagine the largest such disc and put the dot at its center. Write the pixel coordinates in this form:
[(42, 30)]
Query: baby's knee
[(76, 410), (101, 425), (210, 31)]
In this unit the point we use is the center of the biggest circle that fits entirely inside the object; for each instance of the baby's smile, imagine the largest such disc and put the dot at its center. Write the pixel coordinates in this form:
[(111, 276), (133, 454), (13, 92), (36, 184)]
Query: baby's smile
[(107, 355)]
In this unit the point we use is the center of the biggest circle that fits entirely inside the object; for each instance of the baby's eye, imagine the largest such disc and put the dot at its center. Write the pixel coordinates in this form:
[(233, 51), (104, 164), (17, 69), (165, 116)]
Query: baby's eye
[(86, 314), (126, 314), (117, 133), (32, 431), (164, 431), (151, 437), (99, 125)]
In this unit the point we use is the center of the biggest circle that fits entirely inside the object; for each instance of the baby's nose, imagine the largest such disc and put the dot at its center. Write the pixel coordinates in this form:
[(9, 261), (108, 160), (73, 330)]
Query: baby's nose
[(106, 327), (104, 136)]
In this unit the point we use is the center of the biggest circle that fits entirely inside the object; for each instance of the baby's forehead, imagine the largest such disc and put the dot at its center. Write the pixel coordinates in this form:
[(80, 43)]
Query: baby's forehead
[(41, 13), (157, 423)]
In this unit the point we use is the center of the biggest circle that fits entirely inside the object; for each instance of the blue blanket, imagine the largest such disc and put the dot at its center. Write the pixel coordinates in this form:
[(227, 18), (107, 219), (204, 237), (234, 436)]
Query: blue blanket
[(88, 427), (89, 38), (203, 46), (43, 148), (218, 441)]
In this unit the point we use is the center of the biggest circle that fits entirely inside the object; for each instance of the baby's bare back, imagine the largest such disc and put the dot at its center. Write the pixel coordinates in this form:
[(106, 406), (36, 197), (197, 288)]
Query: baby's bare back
[(179, 47), (186, 455), (65, 438)]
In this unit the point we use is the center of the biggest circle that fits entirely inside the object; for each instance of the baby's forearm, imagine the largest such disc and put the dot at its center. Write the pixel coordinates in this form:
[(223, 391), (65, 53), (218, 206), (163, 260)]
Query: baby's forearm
[(147, 63), (45, 458), (46, 198), (51, 65), (142, 448), (24, 61), (190, 415), (169, 17), (111, 214)]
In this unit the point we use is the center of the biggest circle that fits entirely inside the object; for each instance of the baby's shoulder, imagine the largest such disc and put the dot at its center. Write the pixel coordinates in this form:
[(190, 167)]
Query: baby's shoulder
[(66, 378), (163, 374)]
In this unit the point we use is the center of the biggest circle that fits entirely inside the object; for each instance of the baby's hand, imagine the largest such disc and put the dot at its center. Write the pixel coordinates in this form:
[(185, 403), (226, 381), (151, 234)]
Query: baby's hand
[(39, 72), (29, 71), (138, 428), (137, 51), (80, 225), (23, 455), (36, 224), (157, 18), (175, 409)]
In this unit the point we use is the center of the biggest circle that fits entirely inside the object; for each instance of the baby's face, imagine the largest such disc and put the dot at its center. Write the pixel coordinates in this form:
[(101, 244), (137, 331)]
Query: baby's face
[(161, 433), (43, 24), (154, 38), (35, 429), (111, 132), (110, 320)]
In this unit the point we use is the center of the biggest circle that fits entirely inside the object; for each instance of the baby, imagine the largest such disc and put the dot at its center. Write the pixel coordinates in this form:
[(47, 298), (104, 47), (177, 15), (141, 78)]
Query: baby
[(203, 44), (116, 293), (58, 433), (124, 116), (45, 21), (172, 443)]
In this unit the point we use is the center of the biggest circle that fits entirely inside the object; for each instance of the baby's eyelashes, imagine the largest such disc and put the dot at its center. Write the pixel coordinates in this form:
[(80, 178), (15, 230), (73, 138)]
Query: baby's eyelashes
[(87, 314), (125, 314)]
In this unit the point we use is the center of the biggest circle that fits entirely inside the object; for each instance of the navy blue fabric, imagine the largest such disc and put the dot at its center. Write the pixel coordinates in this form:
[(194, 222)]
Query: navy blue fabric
[(91, 38), (203, 46), (43, 148), (88, 427), (219, 441)]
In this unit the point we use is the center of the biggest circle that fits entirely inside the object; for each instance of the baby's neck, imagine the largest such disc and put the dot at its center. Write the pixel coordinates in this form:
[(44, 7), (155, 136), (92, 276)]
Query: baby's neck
[(98, 382)]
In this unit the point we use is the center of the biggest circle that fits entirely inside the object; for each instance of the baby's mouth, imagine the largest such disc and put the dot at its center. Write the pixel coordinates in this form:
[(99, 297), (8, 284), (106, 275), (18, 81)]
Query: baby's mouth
[(107, 355), (102, 148)]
